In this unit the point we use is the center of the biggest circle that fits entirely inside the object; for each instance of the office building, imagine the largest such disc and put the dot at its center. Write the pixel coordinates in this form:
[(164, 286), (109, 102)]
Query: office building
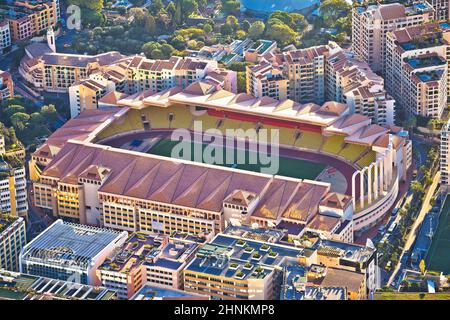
[(70, 252)]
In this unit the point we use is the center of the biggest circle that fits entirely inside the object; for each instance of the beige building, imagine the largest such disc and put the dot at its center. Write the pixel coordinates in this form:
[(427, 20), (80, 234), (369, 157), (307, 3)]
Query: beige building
[(235, 266), (371, 23), (323, 73), (32, 18), (6, 85), (147, 260), (12, 240), (266, 80), (5, 36), (416, 68), (13, 186), (445, 157)]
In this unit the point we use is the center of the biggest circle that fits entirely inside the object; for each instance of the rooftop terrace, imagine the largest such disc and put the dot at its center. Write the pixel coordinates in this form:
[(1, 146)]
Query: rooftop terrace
[(433, 75), (20, 286), (150, 250), (229, 256), (6, 221), (425, 61)]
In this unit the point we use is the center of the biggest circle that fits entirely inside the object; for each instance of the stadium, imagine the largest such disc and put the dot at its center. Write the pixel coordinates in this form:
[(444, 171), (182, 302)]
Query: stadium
[(331, 161)]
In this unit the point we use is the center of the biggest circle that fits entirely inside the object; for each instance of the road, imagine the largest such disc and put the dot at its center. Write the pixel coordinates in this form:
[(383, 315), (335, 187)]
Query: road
[(413, 233)]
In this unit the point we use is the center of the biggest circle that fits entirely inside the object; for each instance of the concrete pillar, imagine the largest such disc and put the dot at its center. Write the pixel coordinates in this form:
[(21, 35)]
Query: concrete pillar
[(376, 179), (361, 187), (354, 189), (369, 184)]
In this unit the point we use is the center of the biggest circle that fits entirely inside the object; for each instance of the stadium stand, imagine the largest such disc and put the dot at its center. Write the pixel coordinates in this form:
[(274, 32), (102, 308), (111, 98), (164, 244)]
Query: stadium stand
[(158, 117), (309, 140), (367, 159), (352, 151), (207, 121), (333, 144), (182, 118), (131, 121)]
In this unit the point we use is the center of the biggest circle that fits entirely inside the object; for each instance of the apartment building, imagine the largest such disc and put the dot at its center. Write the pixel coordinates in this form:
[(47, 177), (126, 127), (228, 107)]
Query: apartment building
[(12, 240), (70, 252), (265, 80), (441, 9), (236, 266), (416, 68), (27, 19), (13, 186), (445, 157), (147, 260), (323, 73), (159, 75), (5, 36), (60, 71), (6, 85), (2, 145), (85, 94), (371, 23), (351, 81), (305, 70)]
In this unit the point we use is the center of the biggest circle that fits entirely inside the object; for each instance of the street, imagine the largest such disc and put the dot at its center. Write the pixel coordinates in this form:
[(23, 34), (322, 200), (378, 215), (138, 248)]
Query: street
[(404, 257)]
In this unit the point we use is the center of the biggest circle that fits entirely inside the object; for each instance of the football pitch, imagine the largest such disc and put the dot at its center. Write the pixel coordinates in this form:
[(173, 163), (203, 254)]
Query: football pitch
[(438, 257), (289, 167)]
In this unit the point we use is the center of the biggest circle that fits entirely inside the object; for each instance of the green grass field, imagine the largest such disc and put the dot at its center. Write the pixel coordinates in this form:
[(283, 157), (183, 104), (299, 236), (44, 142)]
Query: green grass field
[(438, 257), (411, 296), (288, 167)]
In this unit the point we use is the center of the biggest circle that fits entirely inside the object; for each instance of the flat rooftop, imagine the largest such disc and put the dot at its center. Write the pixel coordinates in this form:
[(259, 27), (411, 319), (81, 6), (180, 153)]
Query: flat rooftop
[(70, 243), (21, 286), (6, 221), (148, 292), (150, 250), (229, 256)]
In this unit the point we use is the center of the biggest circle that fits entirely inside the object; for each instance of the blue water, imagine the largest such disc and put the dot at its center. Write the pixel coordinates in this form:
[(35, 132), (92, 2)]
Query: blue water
[(268, 6)]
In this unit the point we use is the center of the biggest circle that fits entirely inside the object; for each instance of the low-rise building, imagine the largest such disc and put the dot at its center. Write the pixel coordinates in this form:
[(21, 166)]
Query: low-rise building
[(251, 267), (21, 286), (12, 240), (13, 186), (70, 252), (146, 259), (5, 35), (237, 51), (6, 86)]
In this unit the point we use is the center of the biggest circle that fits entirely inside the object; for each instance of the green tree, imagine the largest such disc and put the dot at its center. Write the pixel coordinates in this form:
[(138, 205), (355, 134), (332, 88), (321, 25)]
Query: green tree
[(231, 7), (189, 7), (233, 22), (19, 120), (226, 29), (167, 50), (256, 30), (241, 82), (156, 7), (207, 28), (281, 33), (246, 25)]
